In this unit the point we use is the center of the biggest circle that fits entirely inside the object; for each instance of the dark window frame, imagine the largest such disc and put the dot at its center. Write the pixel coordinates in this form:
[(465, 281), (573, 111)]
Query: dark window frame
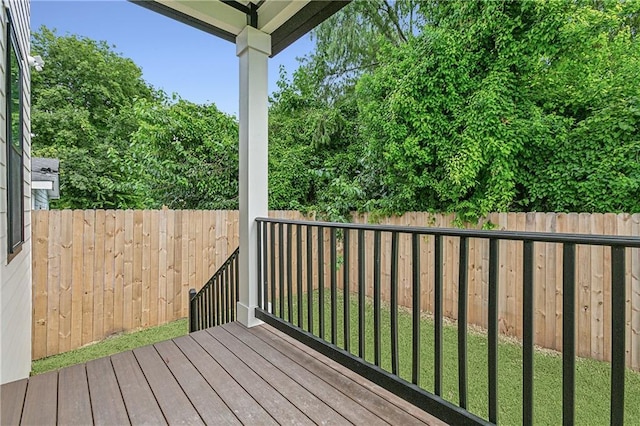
[(15, 149)]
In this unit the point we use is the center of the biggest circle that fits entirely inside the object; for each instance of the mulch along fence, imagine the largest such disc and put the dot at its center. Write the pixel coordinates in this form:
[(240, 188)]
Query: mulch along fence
[(96, 273)]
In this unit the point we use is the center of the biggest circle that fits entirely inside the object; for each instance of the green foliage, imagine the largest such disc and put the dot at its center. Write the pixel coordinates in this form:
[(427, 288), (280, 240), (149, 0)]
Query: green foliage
[(80, 109), (506, 105), (191, 154)]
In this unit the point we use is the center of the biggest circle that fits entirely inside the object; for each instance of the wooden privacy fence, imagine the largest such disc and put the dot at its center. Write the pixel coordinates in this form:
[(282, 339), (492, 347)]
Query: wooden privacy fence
[(97, 272), (101, 272)]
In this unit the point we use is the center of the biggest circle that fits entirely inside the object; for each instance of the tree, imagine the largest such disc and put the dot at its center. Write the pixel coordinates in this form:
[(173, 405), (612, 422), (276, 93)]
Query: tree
[(347, 44), (502, 105), (190, 153), (81, 113)]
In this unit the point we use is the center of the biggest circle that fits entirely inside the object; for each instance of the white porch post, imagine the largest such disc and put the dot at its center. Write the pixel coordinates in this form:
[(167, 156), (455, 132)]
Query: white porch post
[(253, 47)]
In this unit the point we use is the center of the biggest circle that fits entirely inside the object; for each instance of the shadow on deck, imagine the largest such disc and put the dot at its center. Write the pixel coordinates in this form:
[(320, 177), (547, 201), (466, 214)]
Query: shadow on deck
[(223, 375)]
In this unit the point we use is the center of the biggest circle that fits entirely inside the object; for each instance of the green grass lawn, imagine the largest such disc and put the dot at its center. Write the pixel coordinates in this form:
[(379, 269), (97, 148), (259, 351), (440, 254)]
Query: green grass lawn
[(112, 345), (592, 377)]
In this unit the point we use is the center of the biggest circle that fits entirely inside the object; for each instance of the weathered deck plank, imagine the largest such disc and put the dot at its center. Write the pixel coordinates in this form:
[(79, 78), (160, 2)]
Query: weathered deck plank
[(106, 399), (282, 410), (40, 405), (174, 404), (224, 375), (237, 399), (388, 397), (342, 404), (206, 401), (315, 408), (137, 395), (11, 402), (74, 406), (350, 389)]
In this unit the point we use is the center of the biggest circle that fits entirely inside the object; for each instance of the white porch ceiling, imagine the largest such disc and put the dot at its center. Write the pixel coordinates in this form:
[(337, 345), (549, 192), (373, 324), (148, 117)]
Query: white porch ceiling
[(285, 20)]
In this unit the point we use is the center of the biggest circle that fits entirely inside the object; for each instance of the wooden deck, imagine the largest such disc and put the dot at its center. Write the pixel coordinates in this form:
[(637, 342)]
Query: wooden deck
[(223, 375)]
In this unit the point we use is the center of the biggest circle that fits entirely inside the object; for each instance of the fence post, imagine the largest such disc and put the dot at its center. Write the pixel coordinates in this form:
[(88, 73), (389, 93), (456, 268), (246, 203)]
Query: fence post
[(192, 310)]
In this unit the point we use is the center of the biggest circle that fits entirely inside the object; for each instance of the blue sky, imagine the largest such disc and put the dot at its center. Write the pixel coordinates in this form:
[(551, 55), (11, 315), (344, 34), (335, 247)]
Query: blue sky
[(173, 56)]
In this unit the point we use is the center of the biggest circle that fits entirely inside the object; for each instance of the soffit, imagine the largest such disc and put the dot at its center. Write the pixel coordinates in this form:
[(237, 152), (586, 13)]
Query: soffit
[(285, 20)]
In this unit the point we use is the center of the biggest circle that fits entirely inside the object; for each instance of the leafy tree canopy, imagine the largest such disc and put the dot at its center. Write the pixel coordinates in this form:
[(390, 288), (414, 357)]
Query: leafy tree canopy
[(81, 113), (190, 152)]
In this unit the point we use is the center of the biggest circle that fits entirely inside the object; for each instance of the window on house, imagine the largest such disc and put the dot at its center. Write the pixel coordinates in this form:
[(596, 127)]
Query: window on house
[(15, 182)]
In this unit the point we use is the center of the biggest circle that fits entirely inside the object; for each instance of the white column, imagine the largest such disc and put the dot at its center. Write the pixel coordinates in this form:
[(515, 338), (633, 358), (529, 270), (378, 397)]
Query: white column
[(253, 47)]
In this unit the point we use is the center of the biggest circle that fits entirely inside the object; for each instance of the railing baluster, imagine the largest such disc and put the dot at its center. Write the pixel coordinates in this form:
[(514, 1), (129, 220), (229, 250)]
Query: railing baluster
[(394, 303), (281, 270), (237, 281), (259, 265), (214, 302), (289, 274), (334, 286), (207, 304), (527, 334), (232, 293), (201, 309), (361, 294), (568, 333), (437, 302), (225, 296), (347, 293), (273, 268), (192, 310), (299, 273), (265, 283), (309, 279), (321, 281), (219, 298), (415, 311), (463, 256), (494, 291), (376, 298), (618, 286)]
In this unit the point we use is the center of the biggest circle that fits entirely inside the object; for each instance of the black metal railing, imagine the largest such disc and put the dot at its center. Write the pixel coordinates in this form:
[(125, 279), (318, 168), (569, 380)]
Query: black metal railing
[(281, 308), (215, 303)]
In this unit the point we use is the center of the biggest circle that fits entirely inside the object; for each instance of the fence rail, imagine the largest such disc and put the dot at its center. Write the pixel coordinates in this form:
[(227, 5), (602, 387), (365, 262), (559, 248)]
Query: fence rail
[(97, 272), (282, 304)]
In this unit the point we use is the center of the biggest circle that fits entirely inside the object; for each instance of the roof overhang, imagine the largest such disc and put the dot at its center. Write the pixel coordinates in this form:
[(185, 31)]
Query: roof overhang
[(285, 20)]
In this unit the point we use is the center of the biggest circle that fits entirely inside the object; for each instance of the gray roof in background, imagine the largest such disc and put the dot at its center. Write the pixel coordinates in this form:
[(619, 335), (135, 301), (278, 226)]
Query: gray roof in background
[(44, 168)]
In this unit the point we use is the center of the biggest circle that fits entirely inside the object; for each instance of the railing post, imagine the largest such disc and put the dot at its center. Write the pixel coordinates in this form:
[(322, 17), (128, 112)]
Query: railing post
[(192, 310)]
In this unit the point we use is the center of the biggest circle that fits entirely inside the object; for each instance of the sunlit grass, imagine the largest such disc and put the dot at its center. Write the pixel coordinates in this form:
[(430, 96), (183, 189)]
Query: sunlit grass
[(111, 345)]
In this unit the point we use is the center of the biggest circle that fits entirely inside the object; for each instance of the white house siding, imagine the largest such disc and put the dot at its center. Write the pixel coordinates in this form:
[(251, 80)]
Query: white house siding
[(40, 199), (15, 276)]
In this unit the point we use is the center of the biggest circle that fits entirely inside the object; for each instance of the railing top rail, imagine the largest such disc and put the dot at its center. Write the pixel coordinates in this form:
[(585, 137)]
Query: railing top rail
[(547, 237), (226, 263)]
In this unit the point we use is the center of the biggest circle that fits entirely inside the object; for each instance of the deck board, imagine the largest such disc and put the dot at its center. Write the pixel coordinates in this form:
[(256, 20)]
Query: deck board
[(174, 404), (345, 406), (237, 399), (206, 401), (74, 406), (315, 408), (11, 402), (40, 405), (139, 400), (106, 399), (225, 375), (281, 409), (349, 387)]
